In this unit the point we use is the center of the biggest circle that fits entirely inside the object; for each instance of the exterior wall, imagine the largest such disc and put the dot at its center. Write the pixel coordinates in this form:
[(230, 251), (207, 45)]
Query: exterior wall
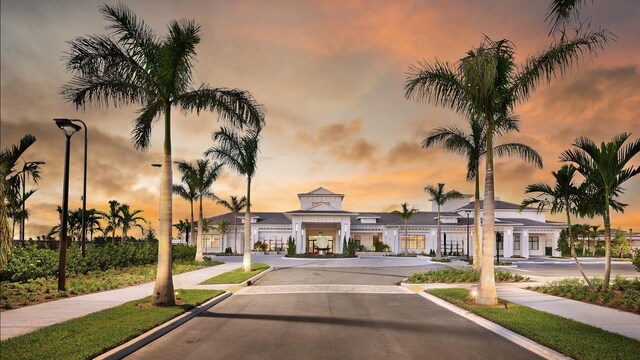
[(307, 201)]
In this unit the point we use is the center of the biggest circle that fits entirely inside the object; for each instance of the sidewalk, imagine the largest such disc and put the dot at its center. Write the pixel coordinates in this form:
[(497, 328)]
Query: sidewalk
[(30, 318), (612, 320)]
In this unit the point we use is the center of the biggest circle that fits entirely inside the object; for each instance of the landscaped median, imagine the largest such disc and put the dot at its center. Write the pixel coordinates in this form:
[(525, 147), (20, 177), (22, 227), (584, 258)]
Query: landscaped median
[(236, 276), (93, 334), (569, 337), (458, 276)]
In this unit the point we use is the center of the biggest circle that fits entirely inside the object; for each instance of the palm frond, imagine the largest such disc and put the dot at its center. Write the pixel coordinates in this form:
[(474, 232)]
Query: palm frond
[(437, 83), (141, 133), (525, 152), (235, 107)]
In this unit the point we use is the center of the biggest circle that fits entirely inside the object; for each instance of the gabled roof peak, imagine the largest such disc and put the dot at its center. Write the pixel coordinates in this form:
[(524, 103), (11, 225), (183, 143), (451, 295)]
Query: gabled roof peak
[(320, 191)]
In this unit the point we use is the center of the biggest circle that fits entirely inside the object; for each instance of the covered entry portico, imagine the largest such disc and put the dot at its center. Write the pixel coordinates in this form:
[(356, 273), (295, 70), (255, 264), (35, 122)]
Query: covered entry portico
[(305, 228)]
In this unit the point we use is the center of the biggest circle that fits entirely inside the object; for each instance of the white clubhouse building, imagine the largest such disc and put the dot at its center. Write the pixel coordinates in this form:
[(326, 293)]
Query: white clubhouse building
[(525, 233)]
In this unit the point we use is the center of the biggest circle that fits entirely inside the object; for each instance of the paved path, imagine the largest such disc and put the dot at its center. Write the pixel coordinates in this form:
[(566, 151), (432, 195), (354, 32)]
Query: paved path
[(330, 326), (30, 318)]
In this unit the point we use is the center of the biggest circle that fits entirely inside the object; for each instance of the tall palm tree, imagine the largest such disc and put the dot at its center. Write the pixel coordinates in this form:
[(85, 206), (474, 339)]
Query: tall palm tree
[(188, 192), (240, 153), (201, 175), (222, 227), (130, 219), (235, 206), (113, 219), (473, 145), (133, 65), (440, 197), (489, 83), (565, 197), (604, 169), (405, 215)]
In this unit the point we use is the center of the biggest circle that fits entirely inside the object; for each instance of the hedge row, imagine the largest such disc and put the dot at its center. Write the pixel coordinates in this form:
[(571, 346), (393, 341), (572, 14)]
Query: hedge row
[(30, 262)]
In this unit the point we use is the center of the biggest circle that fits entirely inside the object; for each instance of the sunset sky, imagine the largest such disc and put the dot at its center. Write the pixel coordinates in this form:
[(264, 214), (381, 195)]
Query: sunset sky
[(331, 77)]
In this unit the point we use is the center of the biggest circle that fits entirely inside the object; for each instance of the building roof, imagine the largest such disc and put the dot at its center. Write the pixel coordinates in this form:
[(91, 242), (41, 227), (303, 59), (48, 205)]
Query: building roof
[(321, 191), (499, 205)]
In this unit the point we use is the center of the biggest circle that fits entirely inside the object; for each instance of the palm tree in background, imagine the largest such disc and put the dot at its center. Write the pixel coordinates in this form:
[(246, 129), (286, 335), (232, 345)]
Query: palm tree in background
[(473, 145), (130, 219), (93, 222), (565, 197), (235, 206), (201, 175), (222, 227), (489, 83), (240, 153), (133, 65), (405, 215), (188, 192), (604, 169), (184, 227), (440, 197), (113, 219)]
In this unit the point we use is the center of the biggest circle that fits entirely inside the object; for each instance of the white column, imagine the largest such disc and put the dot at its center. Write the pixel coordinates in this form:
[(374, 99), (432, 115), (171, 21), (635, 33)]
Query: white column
[(554, 243), (508, 242), (524, 244)]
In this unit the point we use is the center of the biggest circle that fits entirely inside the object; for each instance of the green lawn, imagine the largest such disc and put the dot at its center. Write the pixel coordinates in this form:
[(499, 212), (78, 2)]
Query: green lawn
[(15, 294), (94, 334), (236, 276), (572, 338)]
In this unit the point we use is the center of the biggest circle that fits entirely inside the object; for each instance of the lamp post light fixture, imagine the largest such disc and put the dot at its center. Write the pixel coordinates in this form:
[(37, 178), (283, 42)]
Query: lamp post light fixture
[(84, 183), (69, 129), (468, 212)]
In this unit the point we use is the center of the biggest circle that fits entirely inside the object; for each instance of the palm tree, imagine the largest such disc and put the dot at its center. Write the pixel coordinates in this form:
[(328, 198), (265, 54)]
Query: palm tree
[(563, 197), (188, 192), (222, 227), (235, 206), (240, 153), (201, 175), (113, 219), (594, 232), (487, 82), (440, 197), (405, 215), (130, 219), (473, 146), (93, 222), (604, 169), (184, 227), (135, 66)]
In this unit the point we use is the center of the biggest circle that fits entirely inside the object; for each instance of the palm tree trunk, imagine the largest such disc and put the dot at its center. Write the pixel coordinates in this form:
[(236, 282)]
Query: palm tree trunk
[(438, 235), (199, 242), (575, 258), (406, 238), (246, 261), (235, 233), (477, 237), (163, 292), (191, 228), (113, 236), (607, 243), (487, 294)]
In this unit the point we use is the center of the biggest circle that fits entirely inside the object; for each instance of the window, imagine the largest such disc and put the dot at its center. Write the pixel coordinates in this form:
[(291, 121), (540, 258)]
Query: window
[(211, 241), (534, 243), (415, 241), (357, 240), (516, 242)]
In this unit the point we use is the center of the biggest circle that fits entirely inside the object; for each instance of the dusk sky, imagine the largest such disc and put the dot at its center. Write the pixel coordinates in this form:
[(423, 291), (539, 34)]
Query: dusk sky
[(331, 76)]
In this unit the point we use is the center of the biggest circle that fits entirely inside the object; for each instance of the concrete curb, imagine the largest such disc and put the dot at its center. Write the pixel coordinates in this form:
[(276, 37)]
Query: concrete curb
[(320, 259), (514, 337), (139, 342)]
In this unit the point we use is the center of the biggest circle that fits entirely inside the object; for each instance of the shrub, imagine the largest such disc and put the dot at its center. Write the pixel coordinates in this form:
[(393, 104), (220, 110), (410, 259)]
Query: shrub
[(260, 246), (379, 246), (443, 260), (228, 251), (636, 260), (183, 252), (291, 247), (456, 276)]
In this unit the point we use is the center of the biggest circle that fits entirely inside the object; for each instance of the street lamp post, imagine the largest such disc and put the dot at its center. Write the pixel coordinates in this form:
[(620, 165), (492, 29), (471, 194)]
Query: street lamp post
[(468, 212), (69, 129)]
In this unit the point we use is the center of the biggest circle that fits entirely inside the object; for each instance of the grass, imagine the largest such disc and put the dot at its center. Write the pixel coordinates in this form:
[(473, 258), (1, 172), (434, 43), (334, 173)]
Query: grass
[(569, 337), (459, 276), (236, 276), (14, 294), (91, 335)]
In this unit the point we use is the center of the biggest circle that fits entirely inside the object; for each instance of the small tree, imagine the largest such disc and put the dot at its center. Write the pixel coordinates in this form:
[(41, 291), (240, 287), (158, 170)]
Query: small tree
[(620, 245), (405, 215), (291, 247), (440, 197)]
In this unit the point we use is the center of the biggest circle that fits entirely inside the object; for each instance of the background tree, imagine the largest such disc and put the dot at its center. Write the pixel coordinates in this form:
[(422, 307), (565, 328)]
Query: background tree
[(405, 214), (188, 192), (473, 145), (604, 169), (222, 227), (93, 222), (240, 153), (184, 227), (133, 65), (489, 83), (235, 206), (112, 218), (440, 197), (201, 175), (565, 197), (130, 219)]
